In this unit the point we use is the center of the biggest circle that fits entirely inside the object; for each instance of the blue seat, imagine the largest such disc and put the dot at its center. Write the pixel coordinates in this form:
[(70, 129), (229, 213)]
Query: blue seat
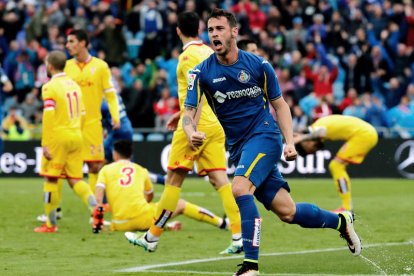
[(155, 137)]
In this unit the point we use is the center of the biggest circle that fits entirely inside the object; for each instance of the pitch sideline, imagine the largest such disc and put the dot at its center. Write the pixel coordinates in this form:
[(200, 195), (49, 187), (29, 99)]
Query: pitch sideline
[(155, 266)]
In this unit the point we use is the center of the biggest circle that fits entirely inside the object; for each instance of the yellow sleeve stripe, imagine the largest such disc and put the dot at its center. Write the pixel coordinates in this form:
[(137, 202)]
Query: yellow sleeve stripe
[(198, 93), (251, 167), (265, 85), (109, 90)]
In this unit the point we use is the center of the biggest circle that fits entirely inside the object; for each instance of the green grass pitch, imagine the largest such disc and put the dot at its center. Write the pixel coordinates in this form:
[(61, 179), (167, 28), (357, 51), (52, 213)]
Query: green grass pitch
[(385, 221)]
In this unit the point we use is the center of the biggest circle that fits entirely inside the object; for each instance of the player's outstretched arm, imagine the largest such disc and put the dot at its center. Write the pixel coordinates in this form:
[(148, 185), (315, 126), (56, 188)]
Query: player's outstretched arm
[(315, 134), (195, 138)]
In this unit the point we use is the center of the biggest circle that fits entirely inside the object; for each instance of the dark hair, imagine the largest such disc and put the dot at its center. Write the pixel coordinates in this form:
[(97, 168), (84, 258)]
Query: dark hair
[(57, 59), (301, 150), (81, 35), (242, 44), (216, 13), (188, 23), (123, 148)]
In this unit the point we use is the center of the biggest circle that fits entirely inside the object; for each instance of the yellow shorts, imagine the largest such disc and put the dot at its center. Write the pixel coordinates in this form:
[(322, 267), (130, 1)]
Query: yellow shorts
[(355, 149), (93, 142), (211, 156), (141, 222), (66, 160)]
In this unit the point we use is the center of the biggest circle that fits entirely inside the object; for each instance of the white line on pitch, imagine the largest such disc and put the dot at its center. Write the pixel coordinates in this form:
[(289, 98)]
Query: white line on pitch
[(181, 272), (195, 261)]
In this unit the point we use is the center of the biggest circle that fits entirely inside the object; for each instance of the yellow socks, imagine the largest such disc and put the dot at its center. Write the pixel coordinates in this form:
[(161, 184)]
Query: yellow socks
[(92, 179), (198, 213), (166, 207), (342, 182), (83, 191), (51, 202), (230, 208)]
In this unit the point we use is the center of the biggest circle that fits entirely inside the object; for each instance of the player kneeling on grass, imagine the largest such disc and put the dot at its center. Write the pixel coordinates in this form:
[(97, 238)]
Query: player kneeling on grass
[(129, 191), (63, 111)]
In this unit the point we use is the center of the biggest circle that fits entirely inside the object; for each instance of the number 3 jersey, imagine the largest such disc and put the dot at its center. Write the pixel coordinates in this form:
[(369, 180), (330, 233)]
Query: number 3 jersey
[(237, 93), (62, 98), (125, 184)]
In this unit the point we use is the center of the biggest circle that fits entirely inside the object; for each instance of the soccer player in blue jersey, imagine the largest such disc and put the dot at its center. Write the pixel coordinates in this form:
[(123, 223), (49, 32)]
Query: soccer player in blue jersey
[(125, 132), (238, 85)]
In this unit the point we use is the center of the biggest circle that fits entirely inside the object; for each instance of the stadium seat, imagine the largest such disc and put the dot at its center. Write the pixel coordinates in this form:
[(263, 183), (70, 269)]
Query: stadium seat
[(155, 137), (138, 137)]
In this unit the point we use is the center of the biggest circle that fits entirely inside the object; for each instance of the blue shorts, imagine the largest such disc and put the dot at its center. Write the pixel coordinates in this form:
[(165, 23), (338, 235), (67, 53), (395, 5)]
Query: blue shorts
[(257, 161)]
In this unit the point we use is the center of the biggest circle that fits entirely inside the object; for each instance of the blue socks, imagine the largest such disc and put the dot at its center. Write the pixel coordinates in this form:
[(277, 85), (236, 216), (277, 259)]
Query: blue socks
[(250, 224), (311, 216)]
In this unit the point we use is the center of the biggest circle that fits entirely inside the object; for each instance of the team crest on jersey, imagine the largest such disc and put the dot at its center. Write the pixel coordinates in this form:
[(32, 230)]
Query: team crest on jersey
[(243, 76), (191, 78), (220, 97), (93, 70)]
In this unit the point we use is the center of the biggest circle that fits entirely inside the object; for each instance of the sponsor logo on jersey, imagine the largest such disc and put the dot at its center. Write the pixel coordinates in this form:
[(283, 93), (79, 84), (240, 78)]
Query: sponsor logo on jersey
[(191, 78), (220, 97), (251, 92), (243, 76), (219, 79)]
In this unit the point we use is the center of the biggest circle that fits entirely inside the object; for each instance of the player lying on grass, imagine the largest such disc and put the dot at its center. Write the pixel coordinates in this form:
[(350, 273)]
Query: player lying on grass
[(359, 137), (129, 191)]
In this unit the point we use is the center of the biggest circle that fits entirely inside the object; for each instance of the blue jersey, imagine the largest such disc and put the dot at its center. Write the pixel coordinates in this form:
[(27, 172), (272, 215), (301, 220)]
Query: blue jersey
[(125, 132), (106, 115), (237, 93)]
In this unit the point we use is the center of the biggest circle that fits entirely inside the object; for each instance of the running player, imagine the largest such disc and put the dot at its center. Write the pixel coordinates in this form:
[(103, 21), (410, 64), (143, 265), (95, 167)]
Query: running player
[(254, 139)]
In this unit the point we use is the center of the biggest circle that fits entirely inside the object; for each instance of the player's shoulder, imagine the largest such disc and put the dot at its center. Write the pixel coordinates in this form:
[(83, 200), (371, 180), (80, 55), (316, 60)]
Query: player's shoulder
[(251, 58), (208, 63), (140, 168), (99, 62), (47, 87), (70, 62)]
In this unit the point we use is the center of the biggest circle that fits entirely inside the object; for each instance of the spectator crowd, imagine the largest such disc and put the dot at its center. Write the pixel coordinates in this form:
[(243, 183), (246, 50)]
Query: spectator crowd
[(352, 57)]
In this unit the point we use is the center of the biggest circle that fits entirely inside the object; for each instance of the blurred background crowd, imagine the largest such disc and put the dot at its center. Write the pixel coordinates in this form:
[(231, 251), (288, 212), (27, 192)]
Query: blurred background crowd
[(352, 57)]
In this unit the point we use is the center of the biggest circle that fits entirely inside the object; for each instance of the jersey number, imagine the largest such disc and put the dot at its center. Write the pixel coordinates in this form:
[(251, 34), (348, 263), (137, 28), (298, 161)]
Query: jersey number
[(73, 103), (127, 172)]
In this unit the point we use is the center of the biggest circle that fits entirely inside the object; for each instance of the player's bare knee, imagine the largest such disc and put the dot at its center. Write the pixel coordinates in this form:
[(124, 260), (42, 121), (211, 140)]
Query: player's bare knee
[(176, 177), (240, 186), (287, 214), (179, 210), (94, 167), (218, 179)]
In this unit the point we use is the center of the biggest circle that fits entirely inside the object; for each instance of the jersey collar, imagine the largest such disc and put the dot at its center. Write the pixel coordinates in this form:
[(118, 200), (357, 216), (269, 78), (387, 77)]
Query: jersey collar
[(86, 61), (194, 42), (59, 75)]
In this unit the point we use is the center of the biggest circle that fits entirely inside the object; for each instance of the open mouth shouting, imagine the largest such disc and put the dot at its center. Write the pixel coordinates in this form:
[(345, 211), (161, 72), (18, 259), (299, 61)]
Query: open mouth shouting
[(217, 45)]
